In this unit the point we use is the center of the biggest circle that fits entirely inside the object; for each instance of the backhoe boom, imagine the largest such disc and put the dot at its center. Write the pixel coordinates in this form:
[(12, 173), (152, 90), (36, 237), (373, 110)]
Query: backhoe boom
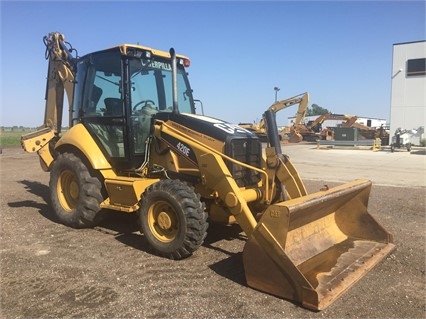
[(60, 79)]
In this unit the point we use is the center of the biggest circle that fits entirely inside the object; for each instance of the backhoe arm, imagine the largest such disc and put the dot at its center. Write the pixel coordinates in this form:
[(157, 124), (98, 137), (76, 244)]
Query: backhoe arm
[(60, 78)]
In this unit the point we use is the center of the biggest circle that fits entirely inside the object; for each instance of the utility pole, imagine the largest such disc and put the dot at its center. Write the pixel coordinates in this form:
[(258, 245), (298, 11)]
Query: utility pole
[(276, 89)]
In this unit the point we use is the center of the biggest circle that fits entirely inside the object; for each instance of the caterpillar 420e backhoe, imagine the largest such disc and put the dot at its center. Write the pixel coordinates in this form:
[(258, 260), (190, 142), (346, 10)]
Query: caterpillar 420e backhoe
[(135, 144)]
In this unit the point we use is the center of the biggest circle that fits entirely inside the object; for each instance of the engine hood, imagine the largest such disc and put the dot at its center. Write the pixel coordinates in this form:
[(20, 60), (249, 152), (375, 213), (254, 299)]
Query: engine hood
[(215, 128)]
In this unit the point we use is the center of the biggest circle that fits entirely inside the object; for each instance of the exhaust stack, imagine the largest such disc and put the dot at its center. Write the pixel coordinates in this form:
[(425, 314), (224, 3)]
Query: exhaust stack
[(174, 81)]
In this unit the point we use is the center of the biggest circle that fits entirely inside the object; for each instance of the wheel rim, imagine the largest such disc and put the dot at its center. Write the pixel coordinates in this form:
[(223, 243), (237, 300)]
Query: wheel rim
[(68, 190), (162, 221)]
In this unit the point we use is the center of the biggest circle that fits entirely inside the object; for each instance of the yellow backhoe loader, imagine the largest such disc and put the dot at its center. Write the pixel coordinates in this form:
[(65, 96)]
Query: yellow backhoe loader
[(136, 145)]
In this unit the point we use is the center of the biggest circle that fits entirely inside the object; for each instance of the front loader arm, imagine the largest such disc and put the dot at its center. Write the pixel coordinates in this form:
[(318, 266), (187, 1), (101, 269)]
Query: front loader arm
[(216, 178)]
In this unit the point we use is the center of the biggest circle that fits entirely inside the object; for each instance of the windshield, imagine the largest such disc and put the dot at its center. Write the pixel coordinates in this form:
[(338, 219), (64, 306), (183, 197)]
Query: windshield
[(151, 83)]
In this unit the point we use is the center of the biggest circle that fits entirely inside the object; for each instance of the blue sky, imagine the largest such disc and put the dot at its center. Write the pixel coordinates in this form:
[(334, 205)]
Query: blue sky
[(338, 51)]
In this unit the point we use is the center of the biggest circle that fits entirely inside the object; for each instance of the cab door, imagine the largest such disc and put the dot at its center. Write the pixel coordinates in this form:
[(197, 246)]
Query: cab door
[(99, 95)]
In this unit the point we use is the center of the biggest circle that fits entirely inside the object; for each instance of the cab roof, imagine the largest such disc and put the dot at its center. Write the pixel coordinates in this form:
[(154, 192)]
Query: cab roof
[(124, 49)]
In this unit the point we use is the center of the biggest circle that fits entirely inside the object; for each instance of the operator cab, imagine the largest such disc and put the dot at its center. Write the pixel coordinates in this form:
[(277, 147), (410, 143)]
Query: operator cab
[(117, 92)]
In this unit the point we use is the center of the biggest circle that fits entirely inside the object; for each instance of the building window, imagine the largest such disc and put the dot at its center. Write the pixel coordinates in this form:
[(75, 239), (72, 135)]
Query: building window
[(416, 67)]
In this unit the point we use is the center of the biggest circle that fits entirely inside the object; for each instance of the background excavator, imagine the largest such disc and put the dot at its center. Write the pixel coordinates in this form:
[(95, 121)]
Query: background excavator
[(136, 145), (307, 132), (312, 131), (260, 128)]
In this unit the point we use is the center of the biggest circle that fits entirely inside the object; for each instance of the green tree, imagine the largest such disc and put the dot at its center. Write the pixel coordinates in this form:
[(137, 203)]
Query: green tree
[(315, 109)]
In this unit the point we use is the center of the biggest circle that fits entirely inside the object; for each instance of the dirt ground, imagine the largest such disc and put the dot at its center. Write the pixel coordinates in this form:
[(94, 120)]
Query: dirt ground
[(52, 271)]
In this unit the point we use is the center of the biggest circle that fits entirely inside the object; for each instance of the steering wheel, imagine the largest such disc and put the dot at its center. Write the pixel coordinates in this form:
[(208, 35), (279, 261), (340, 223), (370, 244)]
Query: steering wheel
[(147, 103)]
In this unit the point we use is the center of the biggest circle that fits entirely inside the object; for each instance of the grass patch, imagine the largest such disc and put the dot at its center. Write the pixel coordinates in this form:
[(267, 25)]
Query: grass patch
[(12, 138)]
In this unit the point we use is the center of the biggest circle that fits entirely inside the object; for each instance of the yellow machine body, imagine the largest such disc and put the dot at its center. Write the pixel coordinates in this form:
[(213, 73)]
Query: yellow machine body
[(308, 248)]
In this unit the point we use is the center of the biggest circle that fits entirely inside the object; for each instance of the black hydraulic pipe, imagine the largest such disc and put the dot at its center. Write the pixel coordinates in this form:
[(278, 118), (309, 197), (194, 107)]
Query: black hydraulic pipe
[(274, 141), (174, 81), (272, 131)]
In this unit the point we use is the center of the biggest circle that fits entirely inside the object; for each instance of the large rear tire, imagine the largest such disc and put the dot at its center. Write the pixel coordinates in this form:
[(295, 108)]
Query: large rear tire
[(75, 194), (173, 219)]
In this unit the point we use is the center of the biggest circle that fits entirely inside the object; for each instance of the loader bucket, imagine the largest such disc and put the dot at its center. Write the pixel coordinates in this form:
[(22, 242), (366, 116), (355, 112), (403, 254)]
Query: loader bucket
[(313, 248)]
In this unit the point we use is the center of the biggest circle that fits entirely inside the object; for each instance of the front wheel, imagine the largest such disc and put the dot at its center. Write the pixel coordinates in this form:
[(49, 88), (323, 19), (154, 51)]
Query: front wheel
[(173, 219), (75, 194)]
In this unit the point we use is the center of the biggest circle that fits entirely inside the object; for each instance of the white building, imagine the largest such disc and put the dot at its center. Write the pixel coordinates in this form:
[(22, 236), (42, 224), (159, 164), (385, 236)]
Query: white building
[(408, 88)]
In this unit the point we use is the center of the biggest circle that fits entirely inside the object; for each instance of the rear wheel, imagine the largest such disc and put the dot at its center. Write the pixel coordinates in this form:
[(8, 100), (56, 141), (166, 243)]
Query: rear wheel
[(75, 194), (173, 219)]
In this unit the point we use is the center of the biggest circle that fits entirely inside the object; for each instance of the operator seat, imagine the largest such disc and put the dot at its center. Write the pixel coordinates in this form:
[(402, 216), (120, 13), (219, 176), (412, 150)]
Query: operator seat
[(114, 133), (96, 95), (113, 106), (93, 102), (144, 126)]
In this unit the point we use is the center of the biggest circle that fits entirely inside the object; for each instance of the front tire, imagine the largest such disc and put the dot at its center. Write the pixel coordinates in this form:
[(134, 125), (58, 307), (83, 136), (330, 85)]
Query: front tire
[(173, 219), (75, 194)]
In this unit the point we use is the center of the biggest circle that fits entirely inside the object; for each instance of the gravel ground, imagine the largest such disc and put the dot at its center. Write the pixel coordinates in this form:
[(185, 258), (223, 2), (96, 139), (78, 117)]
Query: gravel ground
[(51, 271)]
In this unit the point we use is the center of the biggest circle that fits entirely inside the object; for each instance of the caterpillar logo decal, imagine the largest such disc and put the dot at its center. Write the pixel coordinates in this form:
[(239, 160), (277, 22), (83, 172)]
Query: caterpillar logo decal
[(231, 128), (180, 148)]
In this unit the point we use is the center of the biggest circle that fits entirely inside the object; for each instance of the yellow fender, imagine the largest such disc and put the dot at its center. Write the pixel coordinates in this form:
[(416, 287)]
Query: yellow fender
[(79, 137), (123, 192)]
